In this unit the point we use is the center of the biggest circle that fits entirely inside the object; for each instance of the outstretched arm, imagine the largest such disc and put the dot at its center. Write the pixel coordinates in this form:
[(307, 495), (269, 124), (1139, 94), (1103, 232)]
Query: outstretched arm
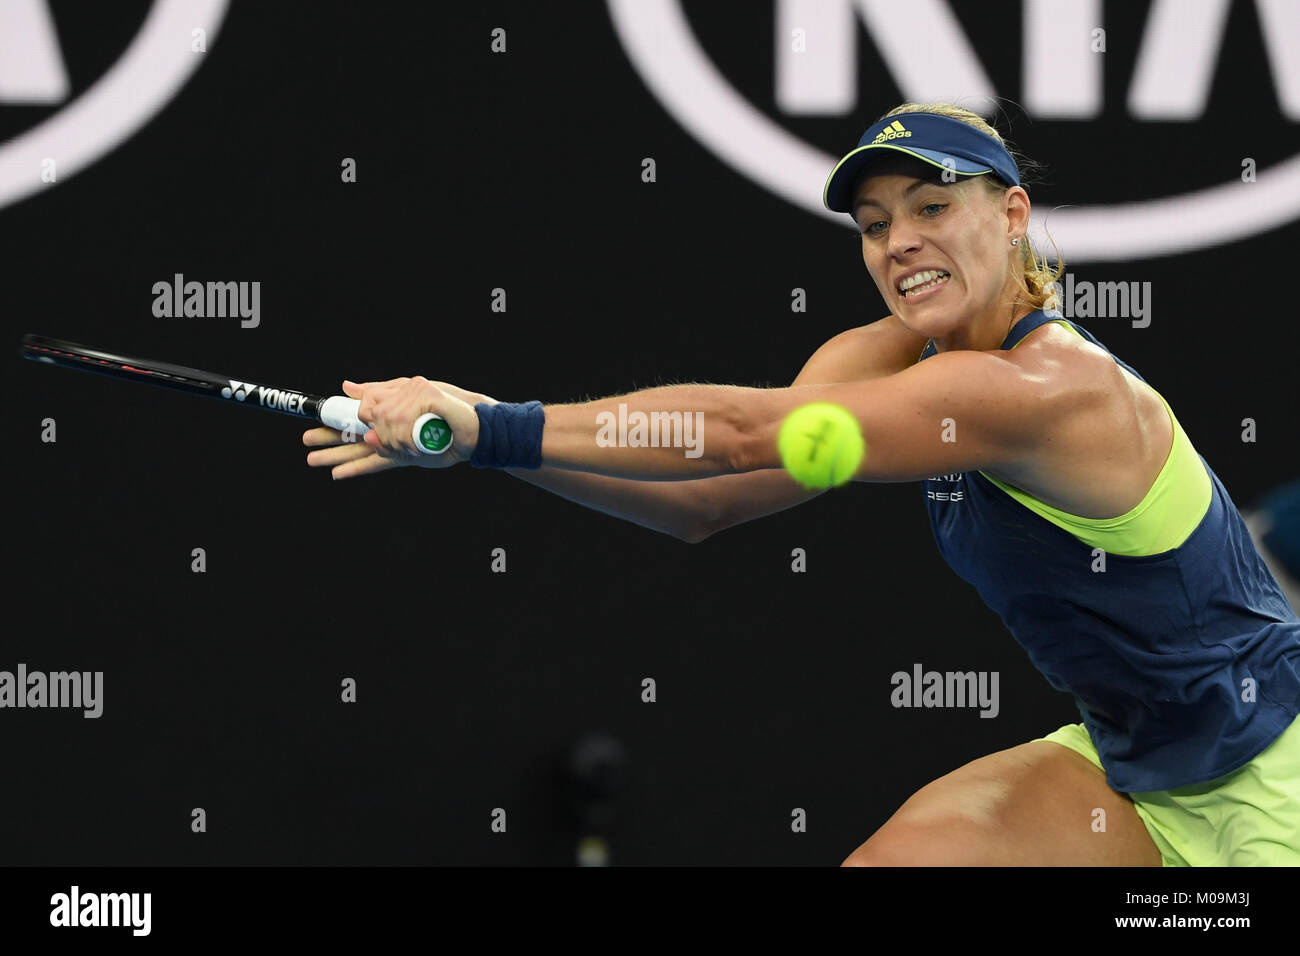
[(956, 411), (691, 510)]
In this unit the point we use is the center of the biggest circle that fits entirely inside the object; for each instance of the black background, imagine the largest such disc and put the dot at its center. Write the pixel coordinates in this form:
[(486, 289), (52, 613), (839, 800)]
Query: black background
[(519, 171)]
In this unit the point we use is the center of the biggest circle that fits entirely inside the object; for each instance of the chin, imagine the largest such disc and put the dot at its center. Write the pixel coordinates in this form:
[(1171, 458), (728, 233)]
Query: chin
[(933, 323)]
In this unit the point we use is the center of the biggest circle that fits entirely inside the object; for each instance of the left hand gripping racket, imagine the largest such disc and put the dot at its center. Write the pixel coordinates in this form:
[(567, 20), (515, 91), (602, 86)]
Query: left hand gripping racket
[(430, 433)]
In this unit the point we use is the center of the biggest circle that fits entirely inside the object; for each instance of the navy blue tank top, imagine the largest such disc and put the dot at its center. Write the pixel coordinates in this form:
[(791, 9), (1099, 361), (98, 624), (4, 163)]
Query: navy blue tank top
[(1184, 665)]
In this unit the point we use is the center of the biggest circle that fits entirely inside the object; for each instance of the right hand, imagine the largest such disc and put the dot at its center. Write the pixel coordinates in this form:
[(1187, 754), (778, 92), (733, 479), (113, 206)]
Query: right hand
[(349, 459)]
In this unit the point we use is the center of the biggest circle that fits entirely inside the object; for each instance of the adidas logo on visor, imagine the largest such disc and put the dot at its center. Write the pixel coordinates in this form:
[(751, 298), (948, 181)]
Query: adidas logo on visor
[(894, 130)]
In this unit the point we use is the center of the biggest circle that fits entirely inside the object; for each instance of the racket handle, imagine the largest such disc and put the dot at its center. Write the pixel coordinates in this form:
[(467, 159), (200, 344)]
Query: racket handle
[(341, 412), (430, 432)]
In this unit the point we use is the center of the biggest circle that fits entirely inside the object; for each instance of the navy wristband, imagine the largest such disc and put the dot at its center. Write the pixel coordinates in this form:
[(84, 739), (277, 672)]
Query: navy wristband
[(509, 435)]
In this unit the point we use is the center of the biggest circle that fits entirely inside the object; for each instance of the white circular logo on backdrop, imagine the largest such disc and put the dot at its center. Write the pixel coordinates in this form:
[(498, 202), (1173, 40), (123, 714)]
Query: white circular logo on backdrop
[(1170, 82), (147, 75)]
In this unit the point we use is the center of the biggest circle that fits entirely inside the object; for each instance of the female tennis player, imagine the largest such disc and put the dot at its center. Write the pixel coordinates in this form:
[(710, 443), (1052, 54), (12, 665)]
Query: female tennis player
[(1182, 655)]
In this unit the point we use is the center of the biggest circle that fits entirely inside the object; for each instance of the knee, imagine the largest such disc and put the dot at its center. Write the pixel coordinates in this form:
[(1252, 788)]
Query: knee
[(897, 844), (865, 856)]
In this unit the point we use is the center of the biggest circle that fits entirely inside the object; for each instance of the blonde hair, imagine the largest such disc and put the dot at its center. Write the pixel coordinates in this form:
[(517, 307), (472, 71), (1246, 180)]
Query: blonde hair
[(1037, 285)]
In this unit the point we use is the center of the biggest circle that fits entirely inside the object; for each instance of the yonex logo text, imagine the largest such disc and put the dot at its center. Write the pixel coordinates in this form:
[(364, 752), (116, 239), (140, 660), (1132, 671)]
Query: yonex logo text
[(285, 401), (238, 390), (266, 397)]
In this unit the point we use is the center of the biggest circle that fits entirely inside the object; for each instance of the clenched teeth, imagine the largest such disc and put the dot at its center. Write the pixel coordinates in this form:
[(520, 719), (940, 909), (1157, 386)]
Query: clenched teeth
[(914, 282)]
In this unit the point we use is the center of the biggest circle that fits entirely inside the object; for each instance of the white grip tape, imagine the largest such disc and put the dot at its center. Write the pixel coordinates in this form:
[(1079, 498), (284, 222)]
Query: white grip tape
[(339, 411)]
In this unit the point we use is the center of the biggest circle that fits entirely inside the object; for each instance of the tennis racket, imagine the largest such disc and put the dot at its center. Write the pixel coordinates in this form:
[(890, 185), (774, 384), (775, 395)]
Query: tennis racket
[(430, 433)]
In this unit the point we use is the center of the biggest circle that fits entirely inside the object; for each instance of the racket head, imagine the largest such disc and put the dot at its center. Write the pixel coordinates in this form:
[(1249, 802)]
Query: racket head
[(73, 355), (182, 378)]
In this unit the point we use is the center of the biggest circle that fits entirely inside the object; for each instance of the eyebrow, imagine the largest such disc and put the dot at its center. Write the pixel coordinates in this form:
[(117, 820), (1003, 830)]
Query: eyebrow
[(868, 201)]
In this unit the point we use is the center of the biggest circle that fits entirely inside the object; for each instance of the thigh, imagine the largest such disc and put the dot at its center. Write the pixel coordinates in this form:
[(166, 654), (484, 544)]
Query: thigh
[(1036, 804)]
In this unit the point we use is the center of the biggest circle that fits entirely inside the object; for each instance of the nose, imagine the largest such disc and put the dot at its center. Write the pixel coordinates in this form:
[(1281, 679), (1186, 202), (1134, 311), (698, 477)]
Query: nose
[(904, 239)]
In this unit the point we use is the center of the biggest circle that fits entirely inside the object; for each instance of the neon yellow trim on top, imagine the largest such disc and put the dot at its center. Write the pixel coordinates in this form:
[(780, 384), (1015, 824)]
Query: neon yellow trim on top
[(1172, 508), (826, 190)]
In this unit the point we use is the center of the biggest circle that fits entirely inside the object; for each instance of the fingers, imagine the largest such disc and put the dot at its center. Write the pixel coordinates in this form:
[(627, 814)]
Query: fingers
[(392, 407), (376, 445), (466, 396), (337, 455), (363, 466), (326, 436), (348, 461), (396, 453), (322, 436), (371, 454)]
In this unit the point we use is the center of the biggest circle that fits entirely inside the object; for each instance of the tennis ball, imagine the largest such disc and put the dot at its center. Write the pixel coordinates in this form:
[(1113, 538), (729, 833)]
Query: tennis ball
[(821, 445)]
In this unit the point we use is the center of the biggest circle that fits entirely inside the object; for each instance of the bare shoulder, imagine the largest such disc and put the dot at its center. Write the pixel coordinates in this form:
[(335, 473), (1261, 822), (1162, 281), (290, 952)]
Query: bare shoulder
[(1067, 365), (1076, 374), (868, 351), (1101, 434)]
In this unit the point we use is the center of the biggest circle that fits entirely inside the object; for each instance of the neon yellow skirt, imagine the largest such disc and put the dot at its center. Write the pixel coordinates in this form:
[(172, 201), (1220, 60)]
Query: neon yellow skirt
[(1250, 817)]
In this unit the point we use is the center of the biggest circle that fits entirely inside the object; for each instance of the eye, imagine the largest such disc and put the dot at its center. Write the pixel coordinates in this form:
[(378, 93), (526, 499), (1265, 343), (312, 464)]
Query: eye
[(871, 229), (938, 207)]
